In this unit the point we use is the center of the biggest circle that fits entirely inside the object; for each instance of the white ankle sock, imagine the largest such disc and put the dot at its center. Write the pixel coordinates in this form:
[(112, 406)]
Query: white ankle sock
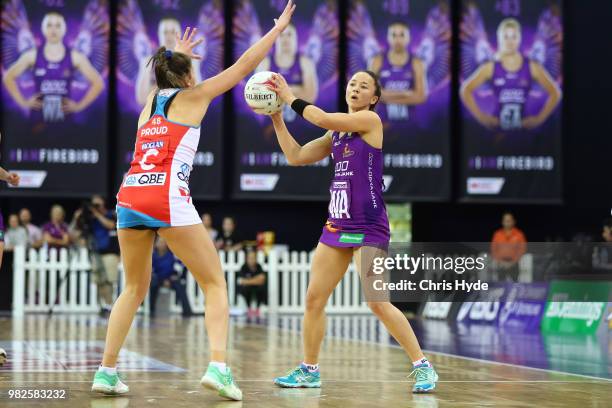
[(311, 367), (220, 365), (108, 370), (421, 362)]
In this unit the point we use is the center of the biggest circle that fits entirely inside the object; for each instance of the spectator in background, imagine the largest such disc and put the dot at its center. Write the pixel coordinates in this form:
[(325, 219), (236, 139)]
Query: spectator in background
[(507, 247), (229, 240), (208, 224), (97, 226), (35, 235), (55, 232), (252, 283), (15, 234), (164, 274)]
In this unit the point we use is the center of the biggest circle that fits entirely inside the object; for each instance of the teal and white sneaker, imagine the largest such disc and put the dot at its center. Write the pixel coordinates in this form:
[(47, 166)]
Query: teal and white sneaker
[(214, 379), (425, 377), (299, 378), (109, 384)]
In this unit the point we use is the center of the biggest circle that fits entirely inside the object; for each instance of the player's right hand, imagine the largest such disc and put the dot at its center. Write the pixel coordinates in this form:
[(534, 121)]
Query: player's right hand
[(283, 21), (34, 103)]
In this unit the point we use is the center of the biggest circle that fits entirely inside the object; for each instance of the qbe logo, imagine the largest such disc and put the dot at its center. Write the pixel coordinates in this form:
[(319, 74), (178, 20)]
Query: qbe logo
[(145, 180)]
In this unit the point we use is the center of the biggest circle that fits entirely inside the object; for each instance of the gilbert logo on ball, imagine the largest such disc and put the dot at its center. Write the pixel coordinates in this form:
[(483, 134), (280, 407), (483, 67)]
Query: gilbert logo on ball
[(259, 97)]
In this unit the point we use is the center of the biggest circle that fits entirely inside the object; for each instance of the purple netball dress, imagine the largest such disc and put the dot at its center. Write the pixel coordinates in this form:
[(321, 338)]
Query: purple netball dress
[(511, 92), (53, 81), (395, 78), (1, 228), (357, 212), (293, 75)]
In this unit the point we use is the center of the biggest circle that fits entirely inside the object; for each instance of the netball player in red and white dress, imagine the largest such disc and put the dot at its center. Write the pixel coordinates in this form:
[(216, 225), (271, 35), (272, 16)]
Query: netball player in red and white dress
[(154, 197)]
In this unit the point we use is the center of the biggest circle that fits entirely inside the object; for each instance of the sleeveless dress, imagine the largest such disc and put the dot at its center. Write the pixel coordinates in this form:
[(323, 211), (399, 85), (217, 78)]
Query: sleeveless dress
[(511, 92), (395, 78), (357, 212), (155, 191), (53, 81)]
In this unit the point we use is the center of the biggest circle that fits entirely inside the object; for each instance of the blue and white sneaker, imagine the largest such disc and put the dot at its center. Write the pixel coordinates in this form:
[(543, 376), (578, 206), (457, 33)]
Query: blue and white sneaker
[(299, 378), (425, 377)]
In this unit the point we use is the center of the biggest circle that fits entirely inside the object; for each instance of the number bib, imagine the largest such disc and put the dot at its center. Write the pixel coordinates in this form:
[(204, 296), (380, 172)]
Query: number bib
[(340, 201), (510, 116)]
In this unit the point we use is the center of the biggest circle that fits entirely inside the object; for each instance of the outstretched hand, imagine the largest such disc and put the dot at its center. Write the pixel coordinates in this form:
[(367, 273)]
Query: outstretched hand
[(283, 21), (186, 43)]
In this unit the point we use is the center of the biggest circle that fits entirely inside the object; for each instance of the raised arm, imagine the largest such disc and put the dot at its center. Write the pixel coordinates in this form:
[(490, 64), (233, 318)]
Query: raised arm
[(224, 81), (362, 121), (296, 154)]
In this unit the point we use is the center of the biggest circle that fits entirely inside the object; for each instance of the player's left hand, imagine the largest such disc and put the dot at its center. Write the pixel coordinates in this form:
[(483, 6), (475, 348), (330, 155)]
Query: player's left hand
[(13, 179), (280, 86), (531, 122), (186, 44)]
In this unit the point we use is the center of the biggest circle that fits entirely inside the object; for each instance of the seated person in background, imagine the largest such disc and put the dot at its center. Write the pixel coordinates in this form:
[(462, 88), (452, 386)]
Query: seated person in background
[(228, 240), (252, 283), (165, 275), (55, 232), (15, 234), (208, 224), (507, 247), (35, 236)]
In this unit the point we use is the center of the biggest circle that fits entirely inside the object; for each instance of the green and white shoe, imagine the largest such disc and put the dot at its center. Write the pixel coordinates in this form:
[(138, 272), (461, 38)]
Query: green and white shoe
[(109, 384), (214, 379)]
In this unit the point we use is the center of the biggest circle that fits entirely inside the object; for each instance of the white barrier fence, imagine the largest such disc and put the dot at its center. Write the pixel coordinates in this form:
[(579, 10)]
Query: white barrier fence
[(63, 281)]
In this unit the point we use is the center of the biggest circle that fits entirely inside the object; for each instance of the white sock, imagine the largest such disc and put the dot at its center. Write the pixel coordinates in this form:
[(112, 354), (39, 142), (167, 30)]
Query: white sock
[(311, 367), (421, 362), (220, 365), (108, 370)]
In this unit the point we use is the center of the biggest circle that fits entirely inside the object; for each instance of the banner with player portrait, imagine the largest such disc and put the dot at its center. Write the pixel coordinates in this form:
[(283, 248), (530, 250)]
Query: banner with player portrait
[(55, 57), (142, 27), (408, 45), (511, 89), (306, 54)]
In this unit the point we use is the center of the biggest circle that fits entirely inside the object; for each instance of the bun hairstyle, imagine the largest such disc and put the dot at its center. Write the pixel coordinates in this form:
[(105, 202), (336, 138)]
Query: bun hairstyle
[(378, 87), (171, 68)]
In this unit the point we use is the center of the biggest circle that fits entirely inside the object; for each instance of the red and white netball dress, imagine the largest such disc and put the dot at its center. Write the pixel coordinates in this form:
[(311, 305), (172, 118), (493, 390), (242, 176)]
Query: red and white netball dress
[(155, 191)]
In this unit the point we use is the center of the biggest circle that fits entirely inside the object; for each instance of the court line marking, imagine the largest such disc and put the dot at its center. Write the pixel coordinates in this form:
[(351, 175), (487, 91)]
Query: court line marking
[(396, 346)]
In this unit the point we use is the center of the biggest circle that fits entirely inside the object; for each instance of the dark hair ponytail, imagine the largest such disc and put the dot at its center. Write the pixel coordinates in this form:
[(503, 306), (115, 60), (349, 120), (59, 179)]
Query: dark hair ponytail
[(171, 68), (377, 89)]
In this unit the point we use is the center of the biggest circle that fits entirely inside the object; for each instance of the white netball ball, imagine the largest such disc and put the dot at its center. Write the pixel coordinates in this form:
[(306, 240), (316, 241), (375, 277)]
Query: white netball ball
[(259, 97)]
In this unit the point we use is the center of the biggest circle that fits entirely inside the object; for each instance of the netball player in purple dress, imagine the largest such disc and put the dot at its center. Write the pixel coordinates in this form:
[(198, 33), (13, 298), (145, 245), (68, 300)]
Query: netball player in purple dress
[(402, 76), (511, 75), (53, 67), (357, 217)]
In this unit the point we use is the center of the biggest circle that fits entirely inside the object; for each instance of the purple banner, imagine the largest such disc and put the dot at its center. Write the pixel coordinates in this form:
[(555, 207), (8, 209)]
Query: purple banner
[(55, 78), (307, 56), (524, 306), (511, 90), (143, 27), (408, 44), (517, 306)]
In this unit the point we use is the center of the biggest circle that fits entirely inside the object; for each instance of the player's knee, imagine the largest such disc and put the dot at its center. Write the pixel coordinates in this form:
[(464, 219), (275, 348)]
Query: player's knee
[(379, 308), (315, 301), (137, 291)]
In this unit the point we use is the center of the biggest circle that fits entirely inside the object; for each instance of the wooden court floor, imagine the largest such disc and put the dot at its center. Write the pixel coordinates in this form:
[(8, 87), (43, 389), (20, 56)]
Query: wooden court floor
[(165, 358)]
